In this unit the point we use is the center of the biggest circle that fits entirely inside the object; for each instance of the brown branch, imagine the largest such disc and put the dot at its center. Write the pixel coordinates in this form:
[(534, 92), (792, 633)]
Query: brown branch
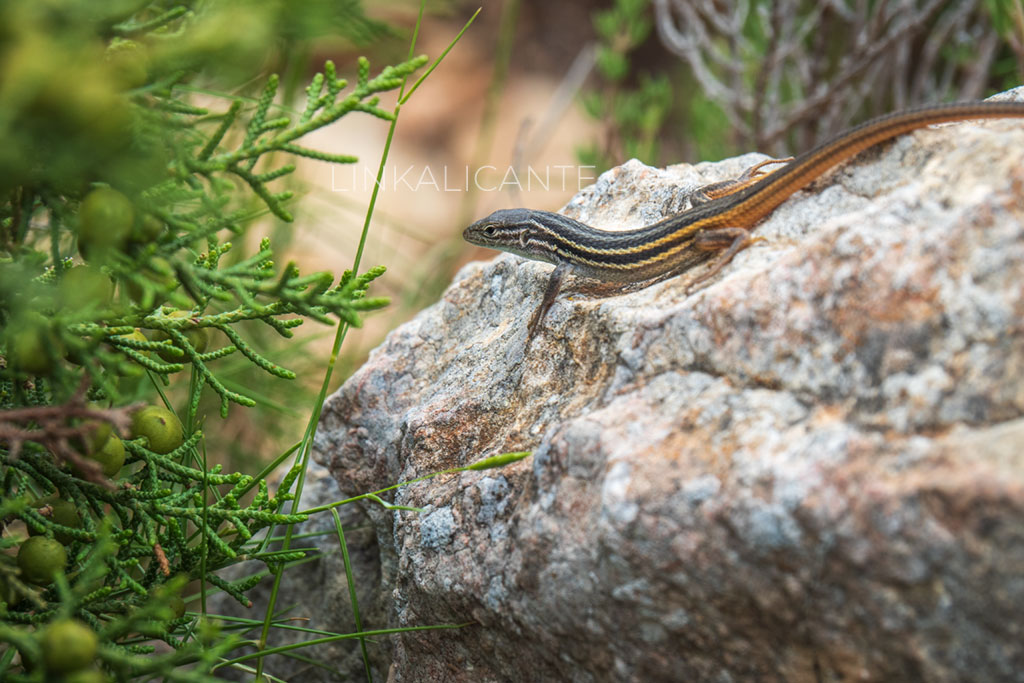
[(54, 428)]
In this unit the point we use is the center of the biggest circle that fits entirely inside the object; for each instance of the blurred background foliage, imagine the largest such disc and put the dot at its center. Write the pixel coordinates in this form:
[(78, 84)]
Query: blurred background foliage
[(67, 65), (681, 80)]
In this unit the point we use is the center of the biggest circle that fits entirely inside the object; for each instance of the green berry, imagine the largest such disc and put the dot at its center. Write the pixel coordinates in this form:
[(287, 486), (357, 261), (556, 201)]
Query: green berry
[(62, 512), (128, 63), (110, 456), (32, 347), (85, 287), (28, 351), (65, 514), (105, 221), (170, 593), (177, 606), (198, 337), (86, 676), (147, 229), (99, 435), (68, 645), (76, 350), (129, 368), (160, 426), (40, 559), (135, 335), (160, 273)]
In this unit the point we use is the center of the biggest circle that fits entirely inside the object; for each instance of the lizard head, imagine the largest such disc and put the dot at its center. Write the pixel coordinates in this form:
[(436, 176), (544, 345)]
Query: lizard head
[(513, 230)]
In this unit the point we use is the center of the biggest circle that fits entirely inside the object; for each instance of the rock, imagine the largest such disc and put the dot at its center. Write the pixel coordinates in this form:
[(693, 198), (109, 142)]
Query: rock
[(810, 469)]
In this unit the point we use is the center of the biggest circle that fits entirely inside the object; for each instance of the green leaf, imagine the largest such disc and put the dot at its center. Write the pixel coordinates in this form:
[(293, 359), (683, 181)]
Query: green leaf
[(499, 460)]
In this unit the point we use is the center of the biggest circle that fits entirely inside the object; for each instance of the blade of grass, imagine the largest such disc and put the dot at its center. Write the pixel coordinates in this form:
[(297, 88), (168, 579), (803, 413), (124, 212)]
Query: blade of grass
[(402, 97), (242, 624), (333, 639), (441, 57), (352, 590), (487, 463), (314, 418), (340, 337), (492, 101)]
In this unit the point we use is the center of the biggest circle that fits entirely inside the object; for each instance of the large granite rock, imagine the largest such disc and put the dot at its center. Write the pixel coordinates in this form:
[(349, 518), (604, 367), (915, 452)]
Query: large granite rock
[(810, 469)]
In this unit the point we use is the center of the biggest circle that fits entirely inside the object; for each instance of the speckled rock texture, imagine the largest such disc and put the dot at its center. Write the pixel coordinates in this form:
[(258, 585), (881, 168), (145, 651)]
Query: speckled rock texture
[(811, 469)]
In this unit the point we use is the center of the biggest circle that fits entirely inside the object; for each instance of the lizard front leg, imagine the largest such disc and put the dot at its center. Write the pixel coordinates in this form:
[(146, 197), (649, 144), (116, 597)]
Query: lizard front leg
[(554, 286)]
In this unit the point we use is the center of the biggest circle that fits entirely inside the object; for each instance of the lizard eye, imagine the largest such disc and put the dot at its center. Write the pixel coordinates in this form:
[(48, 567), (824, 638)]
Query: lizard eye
[(490, 230)]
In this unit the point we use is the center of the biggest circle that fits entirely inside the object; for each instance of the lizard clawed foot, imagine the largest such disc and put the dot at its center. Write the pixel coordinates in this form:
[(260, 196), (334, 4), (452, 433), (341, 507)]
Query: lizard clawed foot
[(732, 240), (554, 285)]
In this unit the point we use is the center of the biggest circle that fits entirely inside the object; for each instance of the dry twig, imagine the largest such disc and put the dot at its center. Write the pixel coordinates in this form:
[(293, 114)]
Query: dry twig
[(813, 70), (59, 429)]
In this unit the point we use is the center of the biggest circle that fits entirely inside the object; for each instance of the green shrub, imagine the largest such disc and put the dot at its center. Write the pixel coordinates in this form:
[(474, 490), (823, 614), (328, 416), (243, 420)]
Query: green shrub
[(124, 207)]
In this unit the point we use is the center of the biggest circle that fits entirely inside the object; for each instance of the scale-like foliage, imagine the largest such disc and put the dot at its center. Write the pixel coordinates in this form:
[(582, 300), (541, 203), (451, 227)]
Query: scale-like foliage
[(126, 191)]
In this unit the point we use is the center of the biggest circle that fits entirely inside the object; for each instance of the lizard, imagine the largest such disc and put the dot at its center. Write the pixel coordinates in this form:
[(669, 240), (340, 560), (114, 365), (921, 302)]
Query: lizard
[(720, 220)]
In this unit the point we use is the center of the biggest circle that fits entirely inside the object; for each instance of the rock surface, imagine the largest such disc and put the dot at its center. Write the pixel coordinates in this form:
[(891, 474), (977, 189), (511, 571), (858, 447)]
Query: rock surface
[(810, 469)]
